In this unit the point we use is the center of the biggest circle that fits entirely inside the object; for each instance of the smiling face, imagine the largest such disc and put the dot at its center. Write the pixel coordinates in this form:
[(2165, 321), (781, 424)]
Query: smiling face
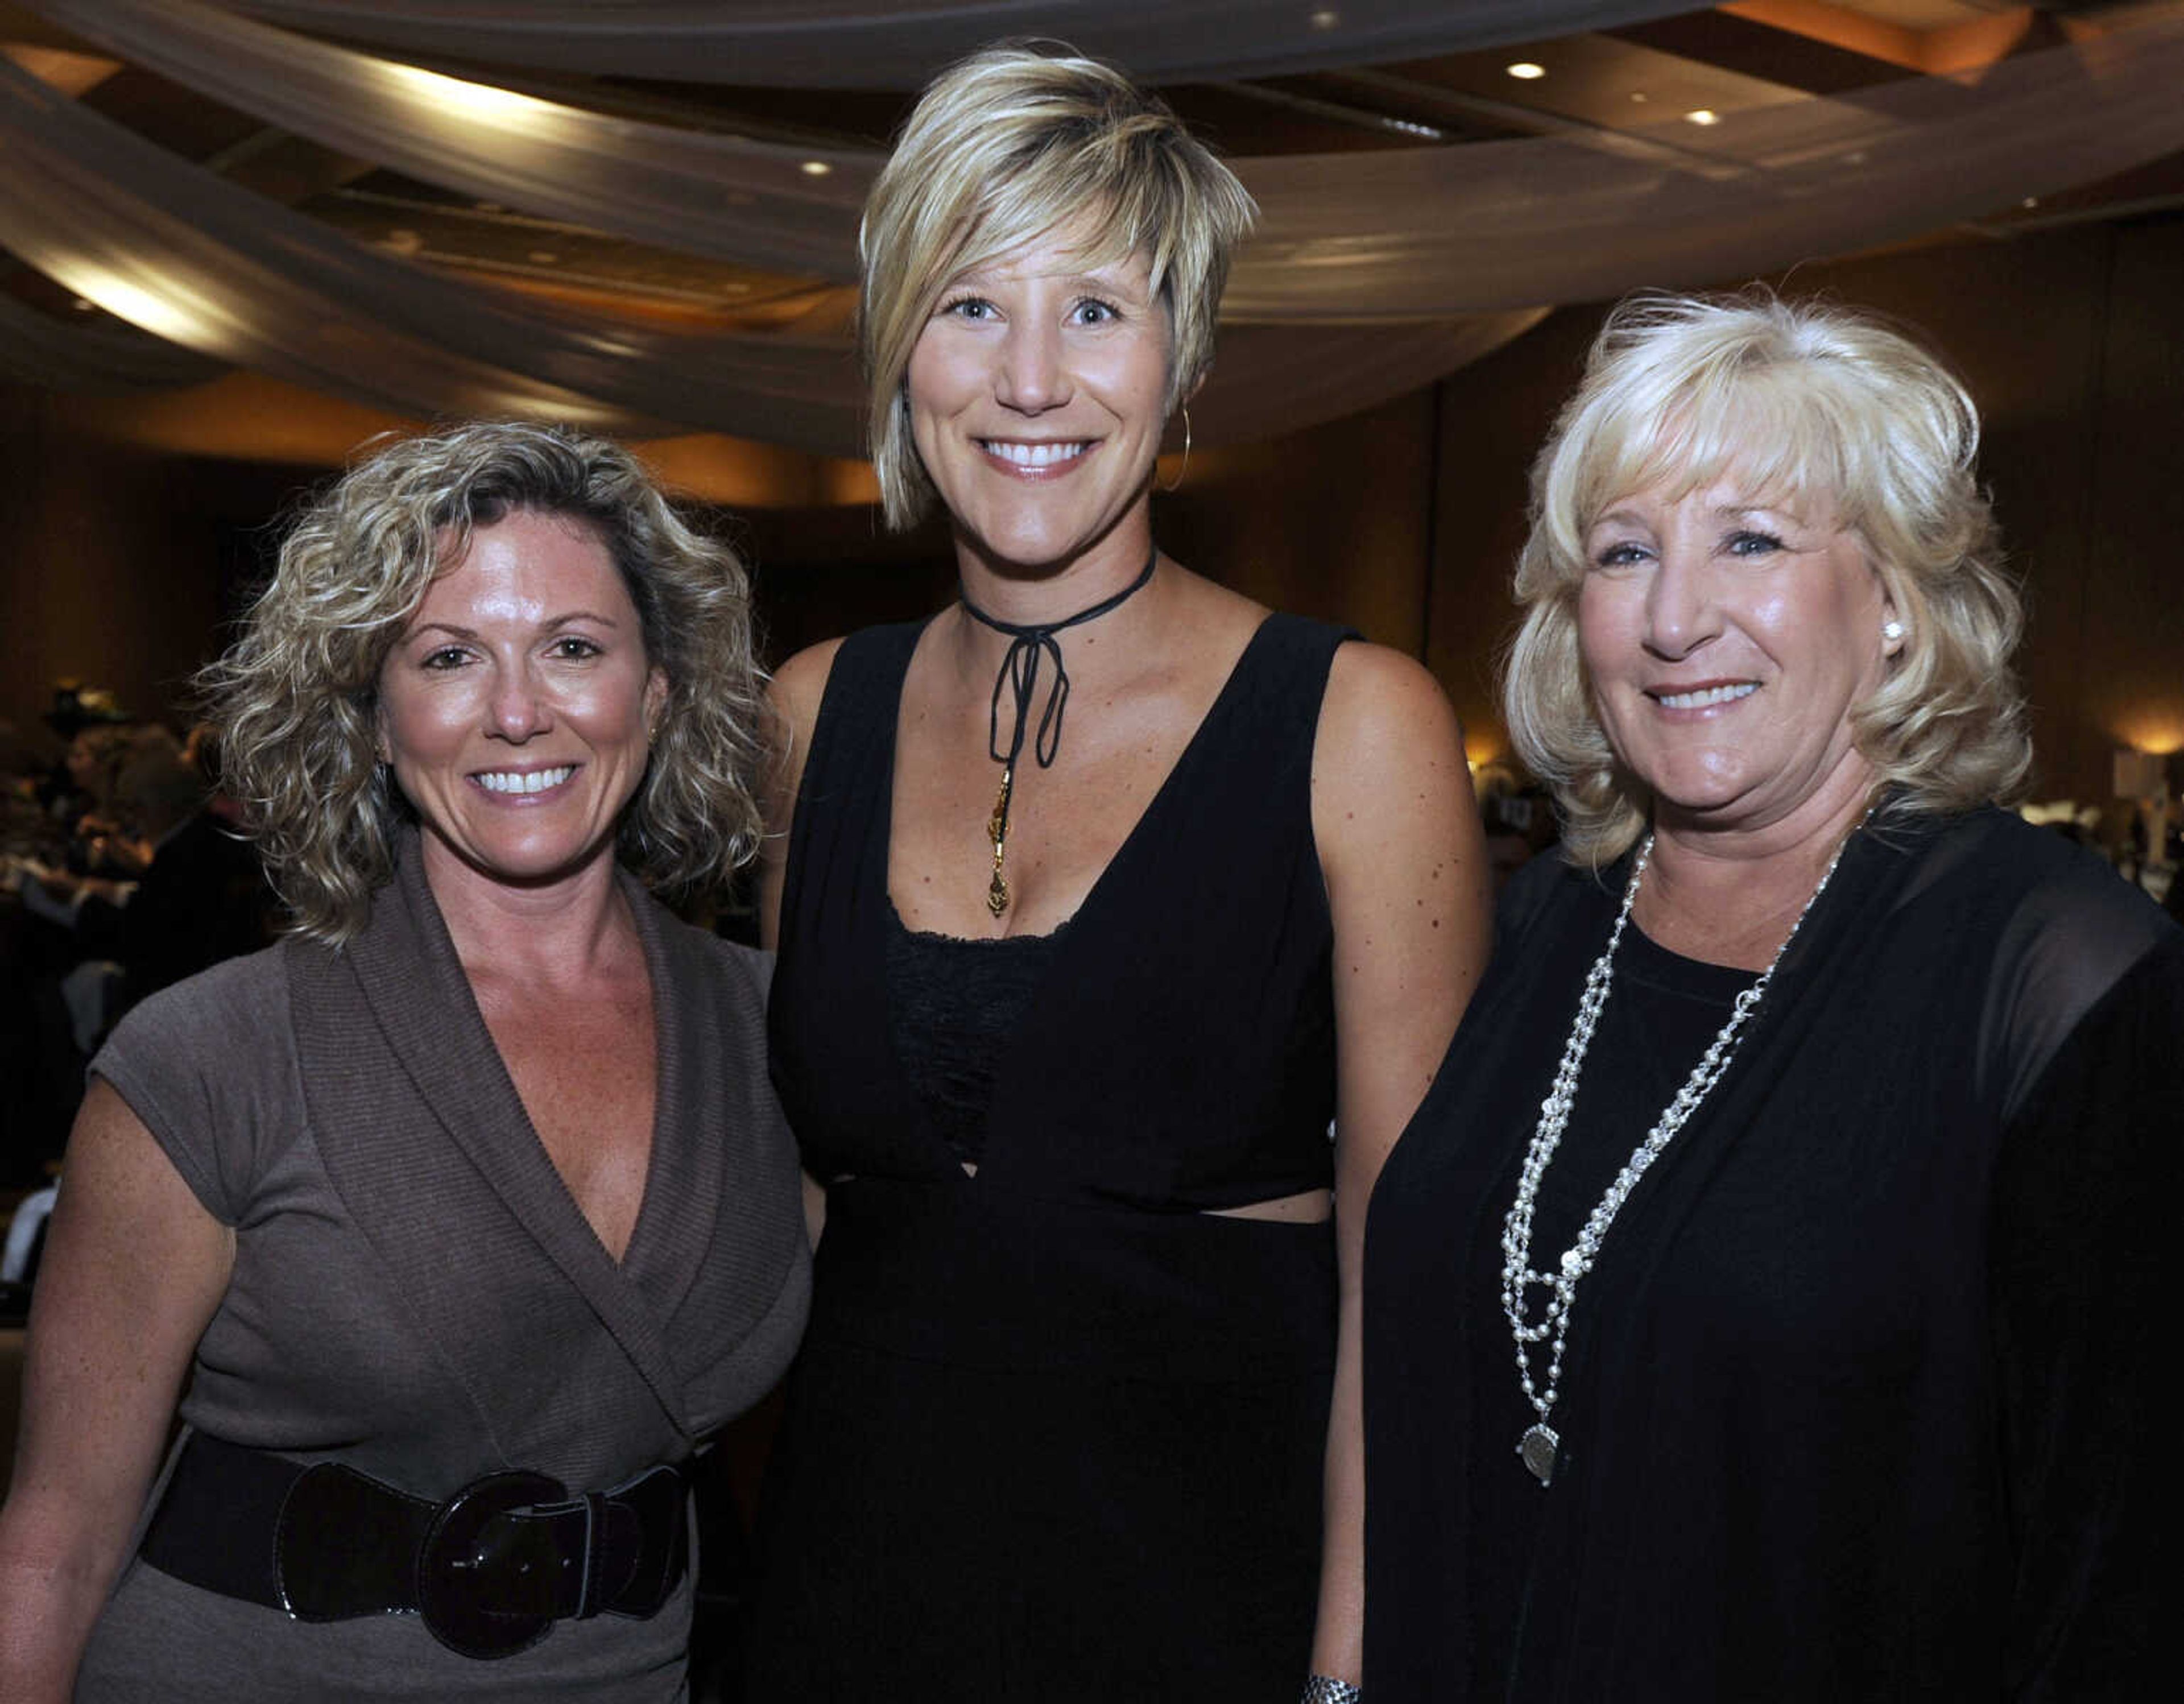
[(1727, 639), (515, 708), (1037, 393)]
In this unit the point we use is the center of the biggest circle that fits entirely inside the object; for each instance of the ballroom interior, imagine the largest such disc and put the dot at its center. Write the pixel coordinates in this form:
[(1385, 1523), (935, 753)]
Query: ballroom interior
[(243, 239), (239, 242)]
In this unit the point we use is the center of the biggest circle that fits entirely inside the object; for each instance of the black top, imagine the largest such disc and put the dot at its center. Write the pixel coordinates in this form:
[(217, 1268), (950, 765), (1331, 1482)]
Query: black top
[(1664, 1011), (1860, 1399), (1200, 960), (956, 1005), (1055, 1433)]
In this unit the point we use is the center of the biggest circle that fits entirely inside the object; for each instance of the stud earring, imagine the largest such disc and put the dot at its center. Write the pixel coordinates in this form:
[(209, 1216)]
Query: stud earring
[(1892, 631)]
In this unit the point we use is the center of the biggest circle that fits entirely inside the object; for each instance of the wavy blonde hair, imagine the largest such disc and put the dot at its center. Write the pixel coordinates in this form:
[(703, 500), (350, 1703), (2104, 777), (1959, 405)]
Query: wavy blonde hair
[(1002, 149), (1815, 406), (296, 699)]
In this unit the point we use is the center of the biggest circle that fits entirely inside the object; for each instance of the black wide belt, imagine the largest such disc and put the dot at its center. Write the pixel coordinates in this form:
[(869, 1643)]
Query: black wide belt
[(490, 1570)]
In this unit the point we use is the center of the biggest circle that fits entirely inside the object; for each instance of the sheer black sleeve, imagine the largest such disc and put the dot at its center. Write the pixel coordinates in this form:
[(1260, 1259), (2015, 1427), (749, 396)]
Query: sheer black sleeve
[(2084, 1274)]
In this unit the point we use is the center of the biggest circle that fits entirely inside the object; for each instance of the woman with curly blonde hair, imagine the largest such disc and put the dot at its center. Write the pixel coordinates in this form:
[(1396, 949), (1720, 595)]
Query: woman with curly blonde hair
[(462, 1218), (1769, 1300)]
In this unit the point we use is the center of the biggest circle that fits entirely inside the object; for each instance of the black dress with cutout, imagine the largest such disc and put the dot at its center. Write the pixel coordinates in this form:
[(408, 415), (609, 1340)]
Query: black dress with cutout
[(1056, 1432)]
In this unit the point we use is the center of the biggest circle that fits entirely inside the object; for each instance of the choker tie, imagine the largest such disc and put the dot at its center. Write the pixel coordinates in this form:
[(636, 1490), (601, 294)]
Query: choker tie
[(1028, 641)]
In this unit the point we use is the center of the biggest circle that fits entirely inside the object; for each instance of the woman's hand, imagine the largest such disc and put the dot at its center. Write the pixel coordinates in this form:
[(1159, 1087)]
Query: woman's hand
[(1409, 885), (133, 1268)]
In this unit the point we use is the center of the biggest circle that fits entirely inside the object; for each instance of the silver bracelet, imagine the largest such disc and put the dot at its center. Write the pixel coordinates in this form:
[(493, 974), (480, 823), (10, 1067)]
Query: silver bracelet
[(1320, 1689)]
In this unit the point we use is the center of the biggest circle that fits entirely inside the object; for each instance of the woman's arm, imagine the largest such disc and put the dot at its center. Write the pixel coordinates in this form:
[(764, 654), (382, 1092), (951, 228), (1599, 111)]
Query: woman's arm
[(2085, 1278), (133, 1269), (1408, 881), (796, 691), (794, 694)]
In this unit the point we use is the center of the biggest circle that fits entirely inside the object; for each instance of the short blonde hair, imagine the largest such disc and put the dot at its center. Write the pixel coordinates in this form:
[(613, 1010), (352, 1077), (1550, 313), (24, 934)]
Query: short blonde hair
[(295, 701), (1810, 404), (1001, 149)]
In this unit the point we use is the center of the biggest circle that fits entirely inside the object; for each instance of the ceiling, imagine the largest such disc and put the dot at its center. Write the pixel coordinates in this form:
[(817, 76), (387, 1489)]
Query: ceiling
[(1722, 61)]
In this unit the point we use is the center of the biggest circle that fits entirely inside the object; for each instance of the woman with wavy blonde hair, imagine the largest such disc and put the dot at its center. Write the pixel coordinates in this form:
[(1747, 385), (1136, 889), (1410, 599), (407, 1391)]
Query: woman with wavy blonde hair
[(1768, 1300), (462, 1218), (1066, 1001)]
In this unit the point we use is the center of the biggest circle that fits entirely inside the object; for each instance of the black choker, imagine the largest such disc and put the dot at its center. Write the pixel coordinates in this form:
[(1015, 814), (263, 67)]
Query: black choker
[(1028, 641)]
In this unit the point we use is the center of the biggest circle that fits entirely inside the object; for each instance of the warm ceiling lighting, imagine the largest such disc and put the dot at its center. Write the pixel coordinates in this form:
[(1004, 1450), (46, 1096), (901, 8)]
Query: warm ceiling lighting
[(166, 314), (502, 108), (1702, 116), (1325, 18), (815, 167), (1525, 71)]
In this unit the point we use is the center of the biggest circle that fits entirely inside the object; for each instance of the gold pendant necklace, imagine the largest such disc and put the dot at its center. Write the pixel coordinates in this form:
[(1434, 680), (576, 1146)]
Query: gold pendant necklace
[(1029, 641), (997, 830)]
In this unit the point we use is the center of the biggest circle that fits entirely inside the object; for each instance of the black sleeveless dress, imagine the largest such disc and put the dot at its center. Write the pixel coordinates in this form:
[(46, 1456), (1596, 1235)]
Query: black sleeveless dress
[(1056, 1432)]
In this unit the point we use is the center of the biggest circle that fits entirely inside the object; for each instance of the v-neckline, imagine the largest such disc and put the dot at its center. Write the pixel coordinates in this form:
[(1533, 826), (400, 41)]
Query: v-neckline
[(666, 1081), (994, 1159), (1183, 758)]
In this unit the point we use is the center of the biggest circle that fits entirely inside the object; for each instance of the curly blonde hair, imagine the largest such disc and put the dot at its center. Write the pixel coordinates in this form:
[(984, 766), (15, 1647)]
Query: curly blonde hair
[(1002, 149), (296, 699), (1803, 402)]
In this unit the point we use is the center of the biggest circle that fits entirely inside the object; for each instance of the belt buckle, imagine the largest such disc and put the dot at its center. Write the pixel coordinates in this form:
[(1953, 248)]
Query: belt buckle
[(462, 1560)]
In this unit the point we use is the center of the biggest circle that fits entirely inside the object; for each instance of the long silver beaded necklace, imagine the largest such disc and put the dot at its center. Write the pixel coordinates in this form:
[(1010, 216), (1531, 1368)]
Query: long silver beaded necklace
[(1541, 1444)]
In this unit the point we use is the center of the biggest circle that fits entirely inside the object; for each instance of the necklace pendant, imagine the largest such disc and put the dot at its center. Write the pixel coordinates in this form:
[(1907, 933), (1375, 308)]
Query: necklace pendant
[(997, 830), (1538, 1446)]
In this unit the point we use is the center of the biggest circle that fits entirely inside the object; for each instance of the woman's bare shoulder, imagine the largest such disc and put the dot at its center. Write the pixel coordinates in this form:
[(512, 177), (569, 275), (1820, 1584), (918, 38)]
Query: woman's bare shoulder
[(800, 683)]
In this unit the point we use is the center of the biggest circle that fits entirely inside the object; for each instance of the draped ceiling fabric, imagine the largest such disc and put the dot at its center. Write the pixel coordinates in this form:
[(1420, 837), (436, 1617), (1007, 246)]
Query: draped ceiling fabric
[(1410, 233), (1374, 273), (897, 44), (698, 191), (214, 267), (217, 269), (1426, 231), (35, 349)]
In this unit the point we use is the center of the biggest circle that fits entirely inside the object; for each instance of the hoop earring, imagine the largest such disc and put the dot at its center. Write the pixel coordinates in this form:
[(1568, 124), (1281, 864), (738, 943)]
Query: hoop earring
[(1178, 481)]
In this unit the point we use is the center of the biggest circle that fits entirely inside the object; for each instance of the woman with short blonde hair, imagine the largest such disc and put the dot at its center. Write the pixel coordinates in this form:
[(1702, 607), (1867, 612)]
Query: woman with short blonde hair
[(1066, 1002), (1009, 146)]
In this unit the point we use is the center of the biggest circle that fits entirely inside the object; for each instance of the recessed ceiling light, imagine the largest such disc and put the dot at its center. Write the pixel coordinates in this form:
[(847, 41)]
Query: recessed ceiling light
[(1640, 97), (2029, 203), (1525, 71), (1702, 115), (815, 167), (1325, 18)]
